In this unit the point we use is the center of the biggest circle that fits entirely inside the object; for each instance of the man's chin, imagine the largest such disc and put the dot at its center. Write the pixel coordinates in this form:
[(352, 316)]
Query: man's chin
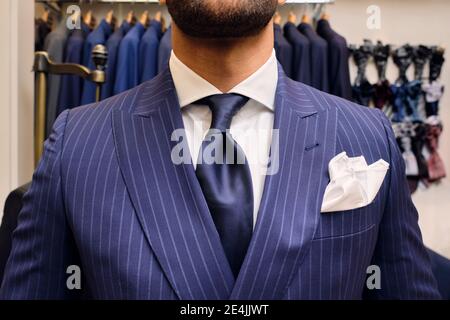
[(244, 18)]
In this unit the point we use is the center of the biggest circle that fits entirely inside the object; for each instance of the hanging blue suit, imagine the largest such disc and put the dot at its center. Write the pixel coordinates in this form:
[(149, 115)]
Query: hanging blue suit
[(148, 51), (54, 45), (301, 62), (338, 56), (98, 36), (319, 57), (283, 50), (112, 45), (165, 48), (72, 86), (128, 60)]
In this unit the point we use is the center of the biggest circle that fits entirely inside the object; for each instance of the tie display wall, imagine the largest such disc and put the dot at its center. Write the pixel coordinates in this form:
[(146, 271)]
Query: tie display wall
[(321, 58), (411, 105)]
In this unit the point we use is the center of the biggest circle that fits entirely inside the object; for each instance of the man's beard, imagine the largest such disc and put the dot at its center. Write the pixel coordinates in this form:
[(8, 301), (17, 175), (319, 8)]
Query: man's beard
[(219, 19)]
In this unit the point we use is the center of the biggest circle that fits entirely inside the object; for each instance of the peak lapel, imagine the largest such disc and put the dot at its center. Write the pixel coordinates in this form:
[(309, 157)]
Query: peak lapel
[(167, 197), (292, 197)]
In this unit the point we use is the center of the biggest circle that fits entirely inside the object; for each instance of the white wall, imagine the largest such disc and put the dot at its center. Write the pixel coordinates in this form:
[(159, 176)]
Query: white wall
[(16, 92)]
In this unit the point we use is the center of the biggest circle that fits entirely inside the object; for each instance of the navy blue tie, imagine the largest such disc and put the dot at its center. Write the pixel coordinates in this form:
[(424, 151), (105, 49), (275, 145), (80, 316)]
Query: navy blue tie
[(225, 179)]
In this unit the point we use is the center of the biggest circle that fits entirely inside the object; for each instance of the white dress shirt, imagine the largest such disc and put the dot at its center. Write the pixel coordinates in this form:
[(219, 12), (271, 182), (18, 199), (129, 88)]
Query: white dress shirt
[(251, 127)]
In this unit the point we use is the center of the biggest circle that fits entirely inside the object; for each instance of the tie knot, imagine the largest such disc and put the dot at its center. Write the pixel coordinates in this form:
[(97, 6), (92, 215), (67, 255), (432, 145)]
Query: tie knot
[(223, 108)]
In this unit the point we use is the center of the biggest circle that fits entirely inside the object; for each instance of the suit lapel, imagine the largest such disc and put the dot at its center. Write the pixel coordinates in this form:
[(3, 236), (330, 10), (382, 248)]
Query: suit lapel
[(167, 198), (292, 197)]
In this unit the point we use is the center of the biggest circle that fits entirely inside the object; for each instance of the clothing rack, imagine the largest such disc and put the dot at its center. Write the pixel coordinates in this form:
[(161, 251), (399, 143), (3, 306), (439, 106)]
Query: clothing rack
[(315, 7), (52, 7), (44, 66), (156, 1)]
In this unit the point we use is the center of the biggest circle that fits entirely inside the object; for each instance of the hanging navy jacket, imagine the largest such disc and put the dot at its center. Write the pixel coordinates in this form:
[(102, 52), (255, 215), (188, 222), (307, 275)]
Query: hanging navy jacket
[(338, 64), (113, 49), (283, 50), (127, 74), (319, 57), (165, 49), (301, 63), (148, 51), (98, 36), (72, 86), (54, 45), (41, 30)]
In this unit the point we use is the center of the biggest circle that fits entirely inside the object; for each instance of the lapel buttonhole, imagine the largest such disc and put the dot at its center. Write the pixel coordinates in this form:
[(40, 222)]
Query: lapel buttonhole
[(311, 147), (305, 115)]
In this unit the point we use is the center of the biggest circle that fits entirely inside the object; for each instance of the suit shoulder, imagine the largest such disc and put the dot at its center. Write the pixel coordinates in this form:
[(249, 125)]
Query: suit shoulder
[(343, 107), (123, 101), (354, 121), (126, 101), (94, 117)]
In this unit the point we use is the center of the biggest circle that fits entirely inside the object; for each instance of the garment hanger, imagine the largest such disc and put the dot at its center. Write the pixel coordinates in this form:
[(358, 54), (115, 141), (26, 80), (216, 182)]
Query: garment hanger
[(88, 17), (292, 18), (111, 19), (45, 15), (277, 18), (130, 17), (318, 11), (144, 19), (51, 10), (93, 23), (325, 16), (109, 16), (306, 19), (158, 16), (90, 20)]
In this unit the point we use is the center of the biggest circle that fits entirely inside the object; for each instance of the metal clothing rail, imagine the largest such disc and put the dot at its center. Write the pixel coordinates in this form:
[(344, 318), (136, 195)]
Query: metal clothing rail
[(44, 66), (156, 1)]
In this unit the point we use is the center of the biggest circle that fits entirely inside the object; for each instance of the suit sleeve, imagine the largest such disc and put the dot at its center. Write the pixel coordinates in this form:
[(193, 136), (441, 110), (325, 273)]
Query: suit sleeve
[(42, 245), (400, 253)]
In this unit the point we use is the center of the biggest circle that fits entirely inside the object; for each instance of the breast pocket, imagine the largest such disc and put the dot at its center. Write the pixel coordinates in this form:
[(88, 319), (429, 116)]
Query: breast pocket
[(342, 223)]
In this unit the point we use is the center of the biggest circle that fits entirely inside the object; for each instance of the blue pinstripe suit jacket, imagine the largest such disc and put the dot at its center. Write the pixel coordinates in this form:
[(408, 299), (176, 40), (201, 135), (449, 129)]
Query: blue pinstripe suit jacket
[(107, 196)]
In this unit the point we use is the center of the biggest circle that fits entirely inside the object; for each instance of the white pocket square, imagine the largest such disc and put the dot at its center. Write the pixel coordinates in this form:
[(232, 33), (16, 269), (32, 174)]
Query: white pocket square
[(353, 183)]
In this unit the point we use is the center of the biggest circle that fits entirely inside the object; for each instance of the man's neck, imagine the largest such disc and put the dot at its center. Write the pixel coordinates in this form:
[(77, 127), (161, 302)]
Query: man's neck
[(224, 63)]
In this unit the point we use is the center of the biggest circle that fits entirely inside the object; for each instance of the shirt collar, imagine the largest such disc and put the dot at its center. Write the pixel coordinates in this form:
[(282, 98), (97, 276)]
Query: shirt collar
[(261, 86)]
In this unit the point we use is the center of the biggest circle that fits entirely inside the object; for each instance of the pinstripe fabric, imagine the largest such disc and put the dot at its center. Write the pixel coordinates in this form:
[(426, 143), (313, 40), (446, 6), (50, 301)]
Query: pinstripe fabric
[(106, 196)]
